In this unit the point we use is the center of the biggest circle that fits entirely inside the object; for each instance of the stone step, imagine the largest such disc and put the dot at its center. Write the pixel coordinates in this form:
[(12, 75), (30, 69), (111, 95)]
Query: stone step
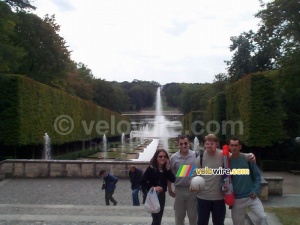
[(81, 214)]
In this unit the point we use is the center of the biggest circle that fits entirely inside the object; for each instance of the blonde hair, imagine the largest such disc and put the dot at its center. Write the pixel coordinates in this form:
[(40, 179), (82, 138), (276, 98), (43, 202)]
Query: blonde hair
[(211, 137)]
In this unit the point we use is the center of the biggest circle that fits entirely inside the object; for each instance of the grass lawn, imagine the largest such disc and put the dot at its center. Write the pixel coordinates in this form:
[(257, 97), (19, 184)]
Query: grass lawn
[(287, 216)]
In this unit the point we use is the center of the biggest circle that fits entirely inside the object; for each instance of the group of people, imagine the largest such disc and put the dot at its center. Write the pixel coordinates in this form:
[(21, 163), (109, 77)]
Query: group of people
[(198, 205)]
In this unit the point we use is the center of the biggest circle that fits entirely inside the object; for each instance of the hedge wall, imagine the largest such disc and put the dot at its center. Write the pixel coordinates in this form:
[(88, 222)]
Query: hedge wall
[(191, 123), (255, 102), (29, 109), (215, 116)]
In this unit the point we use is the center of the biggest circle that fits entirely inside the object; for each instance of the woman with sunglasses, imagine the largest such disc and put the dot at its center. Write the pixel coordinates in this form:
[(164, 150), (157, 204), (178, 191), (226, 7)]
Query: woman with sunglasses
[(157, 176)]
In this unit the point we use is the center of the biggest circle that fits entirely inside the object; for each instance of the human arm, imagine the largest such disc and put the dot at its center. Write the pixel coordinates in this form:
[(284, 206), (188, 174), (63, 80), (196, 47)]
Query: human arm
[(172, 166), (146, 179), (113, 180), (250, 157), (170, 176), (170, 190), (256, 178), (194, 174)]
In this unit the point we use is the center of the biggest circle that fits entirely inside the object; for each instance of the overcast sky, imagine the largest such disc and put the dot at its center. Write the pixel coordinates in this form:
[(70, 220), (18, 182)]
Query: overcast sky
[(152, 40)]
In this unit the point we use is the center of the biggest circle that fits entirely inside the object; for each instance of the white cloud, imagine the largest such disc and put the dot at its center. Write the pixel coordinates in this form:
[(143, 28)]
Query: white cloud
[(161, 40)]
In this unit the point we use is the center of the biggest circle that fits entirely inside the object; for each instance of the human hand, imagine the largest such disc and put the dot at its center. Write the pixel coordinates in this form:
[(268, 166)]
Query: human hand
[(168, 164), (224, 187), (172, 193), (158, 189), (252, 158), (253, 195), (192, 190)]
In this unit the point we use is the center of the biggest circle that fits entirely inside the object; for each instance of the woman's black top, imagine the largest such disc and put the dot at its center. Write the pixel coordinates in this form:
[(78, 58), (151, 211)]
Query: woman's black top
[(153, 177)]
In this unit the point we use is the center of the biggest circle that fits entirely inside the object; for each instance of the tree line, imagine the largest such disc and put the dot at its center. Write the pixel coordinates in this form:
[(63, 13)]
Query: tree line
[(32, 46), (274, 47)]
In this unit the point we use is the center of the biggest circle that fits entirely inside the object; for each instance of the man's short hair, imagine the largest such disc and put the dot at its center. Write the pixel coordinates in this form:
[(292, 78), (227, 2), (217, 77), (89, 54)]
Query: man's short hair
[(182, 137), (211, 137), (102, 172), (235, 139)]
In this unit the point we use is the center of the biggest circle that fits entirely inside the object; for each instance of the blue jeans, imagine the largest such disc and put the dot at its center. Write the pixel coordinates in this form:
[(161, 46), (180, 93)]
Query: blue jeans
[(135, 197)]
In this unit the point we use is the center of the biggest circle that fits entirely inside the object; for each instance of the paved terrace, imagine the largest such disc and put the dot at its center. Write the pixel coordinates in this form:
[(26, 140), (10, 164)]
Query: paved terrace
[(66, 201)]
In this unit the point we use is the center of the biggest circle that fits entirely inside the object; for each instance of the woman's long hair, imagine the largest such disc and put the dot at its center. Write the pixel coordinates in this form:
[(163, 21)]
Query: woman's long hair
[(153, 161)]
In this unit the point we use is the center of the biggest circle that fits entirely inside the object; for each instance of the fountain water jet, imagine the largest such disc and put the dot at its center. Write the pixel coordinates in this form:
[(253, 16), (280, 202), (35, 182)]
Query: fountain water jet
[(196, 144), (161, 131), (130, 138), (47, 147), (104, 146)]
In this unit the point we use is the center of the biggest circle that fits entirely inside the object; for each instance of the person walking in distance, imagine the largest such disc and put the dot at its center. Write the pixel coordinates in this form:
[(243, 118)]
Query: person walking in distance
[(135, 176), (109, 185), (185, 200)]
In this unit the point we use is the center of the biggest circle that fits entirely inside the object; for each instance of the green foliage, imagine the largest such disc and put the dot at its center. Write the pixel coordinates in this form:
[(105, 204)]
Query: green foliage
[(77, 154), (289, 81), (172, 93), (9, 102), (194, 97), (215, 116), (47, 57), (193, 123), (20, 4), (241, 60), (30, 110), (141, 93), (286, 215), (254, 102), (280, 25), (218, 108), (10, 54)]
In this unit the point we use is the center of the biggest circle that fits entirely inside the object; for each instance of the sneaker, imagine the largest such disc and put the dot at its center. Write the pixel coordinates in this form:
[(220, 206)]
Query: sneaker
[(115, 203)]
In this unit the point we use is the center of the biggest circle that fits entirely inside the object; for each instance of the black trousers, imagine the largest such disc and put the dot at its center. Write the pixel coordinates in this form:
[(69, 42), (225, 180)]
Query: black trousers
[(217, 209), (156, 217), (109, 196)]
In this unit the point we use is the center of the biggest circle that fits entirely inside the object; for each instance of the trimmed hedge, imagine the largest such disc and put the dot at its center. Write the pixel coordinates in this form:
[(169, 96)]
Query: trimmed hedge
[(216, 115), (30, 109), (191, 123), (255, 102)]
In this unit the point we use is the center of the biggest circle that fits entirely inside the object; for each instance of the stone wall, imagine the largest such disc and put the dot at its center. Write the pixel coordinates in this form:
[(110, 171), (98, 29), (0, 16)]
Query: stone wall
[(65, 168), (90, 168), (275, 185)]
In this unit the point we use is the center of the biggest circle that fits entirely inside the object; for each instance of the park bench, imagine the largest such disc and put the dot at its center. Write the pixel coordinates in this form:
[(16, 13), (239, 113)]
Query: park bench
[(296, 172)]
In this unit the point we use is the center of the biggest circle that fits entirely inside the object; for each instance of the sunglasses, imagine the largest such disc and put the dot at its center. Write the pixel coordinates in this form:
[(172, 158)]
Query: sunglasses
[(185, 143), (162, 156)]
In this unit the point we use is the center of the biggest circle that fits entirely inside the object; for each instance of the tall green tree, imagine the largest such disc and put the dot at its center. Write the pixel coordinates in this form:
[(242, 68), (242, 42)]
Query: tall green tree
[(20, 4), (137, 96), (10, 54), (80, 81), (102, 93), (47, 57), (280, 25), (121, 101), (172, 92), (241, 63)]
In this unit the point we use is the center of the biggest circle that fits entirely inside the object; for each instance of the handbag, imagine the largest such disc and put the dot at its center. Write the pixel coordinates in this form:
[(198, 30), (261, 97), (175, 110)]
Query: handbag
[(152, 204)]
